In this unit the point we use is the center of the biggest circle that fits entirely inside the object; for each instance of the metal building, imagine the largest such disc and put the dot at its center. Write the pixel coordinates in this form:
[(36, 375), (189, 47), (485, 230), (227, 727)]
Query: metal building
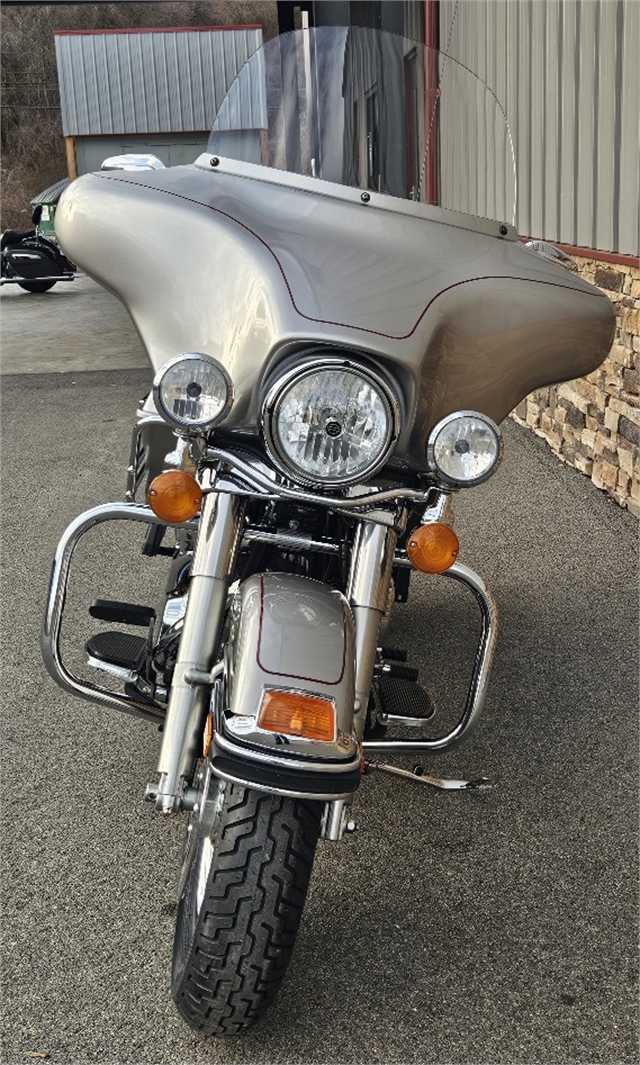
[(566, 72), (131, 91)]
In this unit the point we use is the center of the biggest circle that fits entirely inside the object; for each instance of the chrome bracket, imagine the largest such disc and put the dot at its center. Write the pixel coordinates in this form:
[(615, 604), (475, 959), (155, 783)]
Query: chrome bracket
[(418, 774), (335, 820)]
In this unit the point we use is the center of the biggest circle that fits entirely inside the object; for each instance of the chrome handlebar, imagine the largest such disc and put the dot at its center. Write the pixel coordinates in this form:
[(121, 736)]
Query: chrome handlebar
[(268, 489)]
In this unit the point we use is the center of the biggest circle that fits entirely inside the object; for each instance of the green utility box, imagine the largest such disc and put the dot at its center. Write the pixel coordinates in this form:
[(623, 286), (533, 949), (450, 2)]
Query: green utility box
[(44, 208)]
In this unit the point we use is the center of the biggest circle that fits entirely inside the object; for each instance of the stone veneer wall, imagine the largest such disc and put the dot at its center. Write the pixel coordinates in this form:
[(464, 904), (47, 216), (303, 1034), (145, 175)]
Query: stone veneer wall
[(594, 423)]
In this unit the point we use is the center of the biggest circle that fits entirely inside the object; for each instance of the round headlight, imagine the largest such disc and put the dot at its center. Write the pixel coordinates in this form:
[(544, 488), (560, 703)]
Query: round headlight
[(330, 423), (192, 391), (464, 448)]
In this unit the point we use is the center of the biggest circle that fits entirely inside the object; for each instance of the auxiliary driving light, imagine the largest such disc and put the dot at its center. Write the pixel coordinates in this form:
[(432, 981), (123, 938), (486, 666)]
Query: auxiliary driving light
[(464, 448), (175, 497), (298, 714), (433, 548), (193, 392)]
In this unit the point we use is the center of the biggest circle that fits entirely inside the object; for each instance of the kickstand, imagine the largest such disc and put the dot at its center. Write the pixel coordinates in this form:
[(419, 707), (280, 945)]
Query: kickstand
[(418, 773)]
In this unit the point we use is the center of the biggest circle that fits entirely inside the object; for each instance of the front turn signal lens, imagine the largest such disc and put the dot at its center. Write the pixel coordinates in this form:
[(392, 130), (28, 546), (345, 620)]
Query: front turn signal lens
[(433, 548), (175, 496), (297, 714)]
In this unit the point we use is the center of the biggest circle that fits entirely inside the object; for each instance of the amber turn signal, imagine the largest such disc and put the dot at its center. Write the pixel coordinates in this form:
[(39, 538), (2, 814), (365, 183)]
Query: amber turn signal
[(297, 714), (433, 548), (175, 496)]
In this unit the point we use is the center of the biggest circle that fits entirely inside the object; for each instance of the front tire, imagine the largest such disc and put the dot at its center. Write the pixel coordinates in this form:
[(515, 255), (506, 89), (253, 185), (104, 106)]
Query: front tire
[(240, 909)]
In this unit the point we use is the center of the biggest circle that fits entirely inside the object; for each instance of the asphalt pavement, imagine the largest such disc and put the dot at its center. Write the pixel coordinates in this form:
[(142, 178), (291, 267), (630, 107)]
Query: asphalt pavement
[(488, 927)]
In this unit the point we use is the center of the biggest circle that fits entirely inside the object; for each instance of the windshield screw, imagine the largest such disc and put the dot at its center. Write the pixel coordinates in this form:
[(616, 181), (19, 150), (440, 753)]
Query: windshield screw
[(214, 161), (365, 197), (503, 231)]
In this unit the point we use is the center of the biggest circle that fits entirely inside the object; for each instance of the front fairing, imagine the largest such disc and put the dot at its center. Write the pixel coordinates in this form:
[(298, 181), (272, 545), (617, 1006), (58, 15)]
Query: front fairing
[(250, 271), (256, 264)]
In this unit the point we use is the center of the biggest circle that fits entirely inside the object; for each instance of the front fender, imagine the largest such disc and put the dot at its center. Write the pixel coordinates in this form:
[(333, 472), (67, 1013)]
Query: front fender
[(289, 633)]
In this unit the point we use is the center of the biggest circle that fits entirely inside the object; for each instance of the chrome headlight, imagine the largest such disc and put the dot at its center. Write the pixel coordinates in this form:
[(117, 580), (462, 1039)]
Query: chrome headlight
[(193, 391), (330, 422), (464, 448)]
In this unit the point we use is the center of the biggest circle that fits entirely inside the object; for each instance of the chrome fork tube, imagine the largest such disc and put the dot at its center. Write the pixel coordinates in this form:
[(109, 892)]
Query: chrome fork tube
[(212, 569), (367, 592)]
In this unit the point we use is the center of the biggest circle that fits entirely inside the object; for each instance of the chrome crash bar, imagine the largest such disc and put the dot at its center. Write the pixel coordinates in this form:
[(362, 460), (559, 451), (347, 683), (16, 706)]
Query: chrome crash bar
[(477, 692), (50, 639)]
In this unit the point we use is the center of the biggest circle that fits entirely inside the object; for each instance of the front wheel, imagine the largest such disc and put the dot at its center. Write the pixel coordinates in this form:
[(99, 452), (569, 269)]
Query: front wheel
[(36, 286), (245, 885)]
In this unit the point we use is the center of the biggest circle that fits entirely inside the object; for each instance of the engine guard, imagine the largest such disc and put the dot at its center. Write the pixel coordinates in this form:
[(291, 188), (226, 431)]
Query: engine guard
[(287, 633)]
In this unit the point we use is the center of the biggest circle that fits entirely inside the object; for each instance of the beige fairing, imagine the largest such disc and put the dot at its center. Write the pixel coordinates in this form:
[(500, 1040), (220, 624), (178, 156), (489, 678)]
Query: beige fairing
[(250, 266)]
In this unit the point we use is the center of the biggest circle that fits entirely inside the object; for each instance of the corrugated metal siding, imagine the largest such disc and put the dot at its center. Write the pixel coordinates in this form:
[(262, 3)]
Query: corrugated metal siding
[(566, 72), (475, 151), (154, 82)]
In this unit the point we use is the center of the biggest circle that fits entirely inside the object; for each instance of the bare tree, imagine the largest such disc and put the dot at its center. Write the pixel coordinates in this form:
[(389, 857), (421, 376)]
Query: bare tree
[(33, 151)]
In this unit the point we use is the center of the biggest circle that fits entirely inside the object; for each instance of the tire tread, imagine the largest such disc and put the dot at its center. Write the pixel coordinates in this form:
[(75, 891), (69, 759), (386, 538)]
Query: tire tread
[(252, 908)]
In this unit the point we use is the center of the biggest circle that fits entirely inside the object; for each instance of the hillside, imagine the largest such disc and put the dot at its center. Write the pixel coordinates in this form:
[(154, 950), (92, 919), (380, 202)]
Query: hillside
[(33, 150)]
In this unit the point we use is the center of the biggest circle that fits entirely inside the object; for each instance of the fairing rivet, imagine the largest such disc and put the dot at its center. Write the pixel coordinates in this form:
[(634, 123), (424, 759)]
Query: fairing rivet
[(365, 197), (503, 231), (214, 161)]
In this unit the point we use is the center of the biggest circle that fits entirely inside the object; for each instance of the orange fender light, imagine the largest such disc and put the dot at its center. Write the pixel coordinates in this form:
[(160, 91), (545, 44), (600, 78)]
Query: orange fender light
[(433, 548), (175, 496), (207, 736), (297, 714)]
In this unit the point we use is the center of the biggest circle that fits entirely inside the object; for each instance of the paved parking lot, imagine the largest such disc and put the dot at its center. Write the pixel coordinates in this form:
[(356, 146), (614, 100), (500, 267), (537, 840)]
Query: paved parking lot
[(495, 927), (74, 326)]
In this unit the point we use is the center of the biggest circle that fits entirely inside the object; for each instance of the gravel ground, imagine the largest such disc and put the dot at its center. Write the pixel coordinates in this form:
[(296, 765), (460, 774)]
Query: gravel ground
[(494, 927)]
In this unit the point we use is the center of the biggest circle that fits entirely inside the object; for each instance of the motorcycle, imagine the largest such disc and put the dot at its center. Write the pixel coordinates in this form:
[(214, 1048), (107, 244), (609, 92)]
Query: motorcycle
[(31, 258), (338, 326), (32, 261)]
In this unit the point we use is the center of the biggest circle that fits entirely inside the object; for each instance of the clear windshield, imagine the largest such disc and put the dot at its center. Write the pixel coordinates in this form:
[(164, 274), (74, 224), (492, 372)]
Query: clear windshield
[(371, 110)]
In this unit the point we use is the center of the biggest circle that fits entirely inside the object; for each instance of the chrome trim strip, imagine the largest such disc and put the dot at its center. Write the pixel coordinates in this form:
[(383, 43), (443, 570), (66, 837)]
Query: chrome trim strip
[(108, 667), (50, 639), (267, 755), (319, 796), (22, 280), (290, 541), (477, 692)]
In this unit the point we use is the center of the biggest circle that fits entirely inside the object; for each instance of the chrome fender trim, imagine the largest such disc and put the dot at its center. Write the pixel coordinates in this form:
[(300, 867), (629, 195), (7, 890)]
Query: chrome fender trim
[(291, 633)]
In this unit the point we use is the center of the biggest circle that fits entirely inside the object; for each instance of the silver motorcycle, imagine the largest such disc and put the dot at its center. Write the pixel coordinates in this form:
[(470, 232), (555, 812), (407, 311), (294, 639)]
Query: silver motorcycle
[(340, 314)]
